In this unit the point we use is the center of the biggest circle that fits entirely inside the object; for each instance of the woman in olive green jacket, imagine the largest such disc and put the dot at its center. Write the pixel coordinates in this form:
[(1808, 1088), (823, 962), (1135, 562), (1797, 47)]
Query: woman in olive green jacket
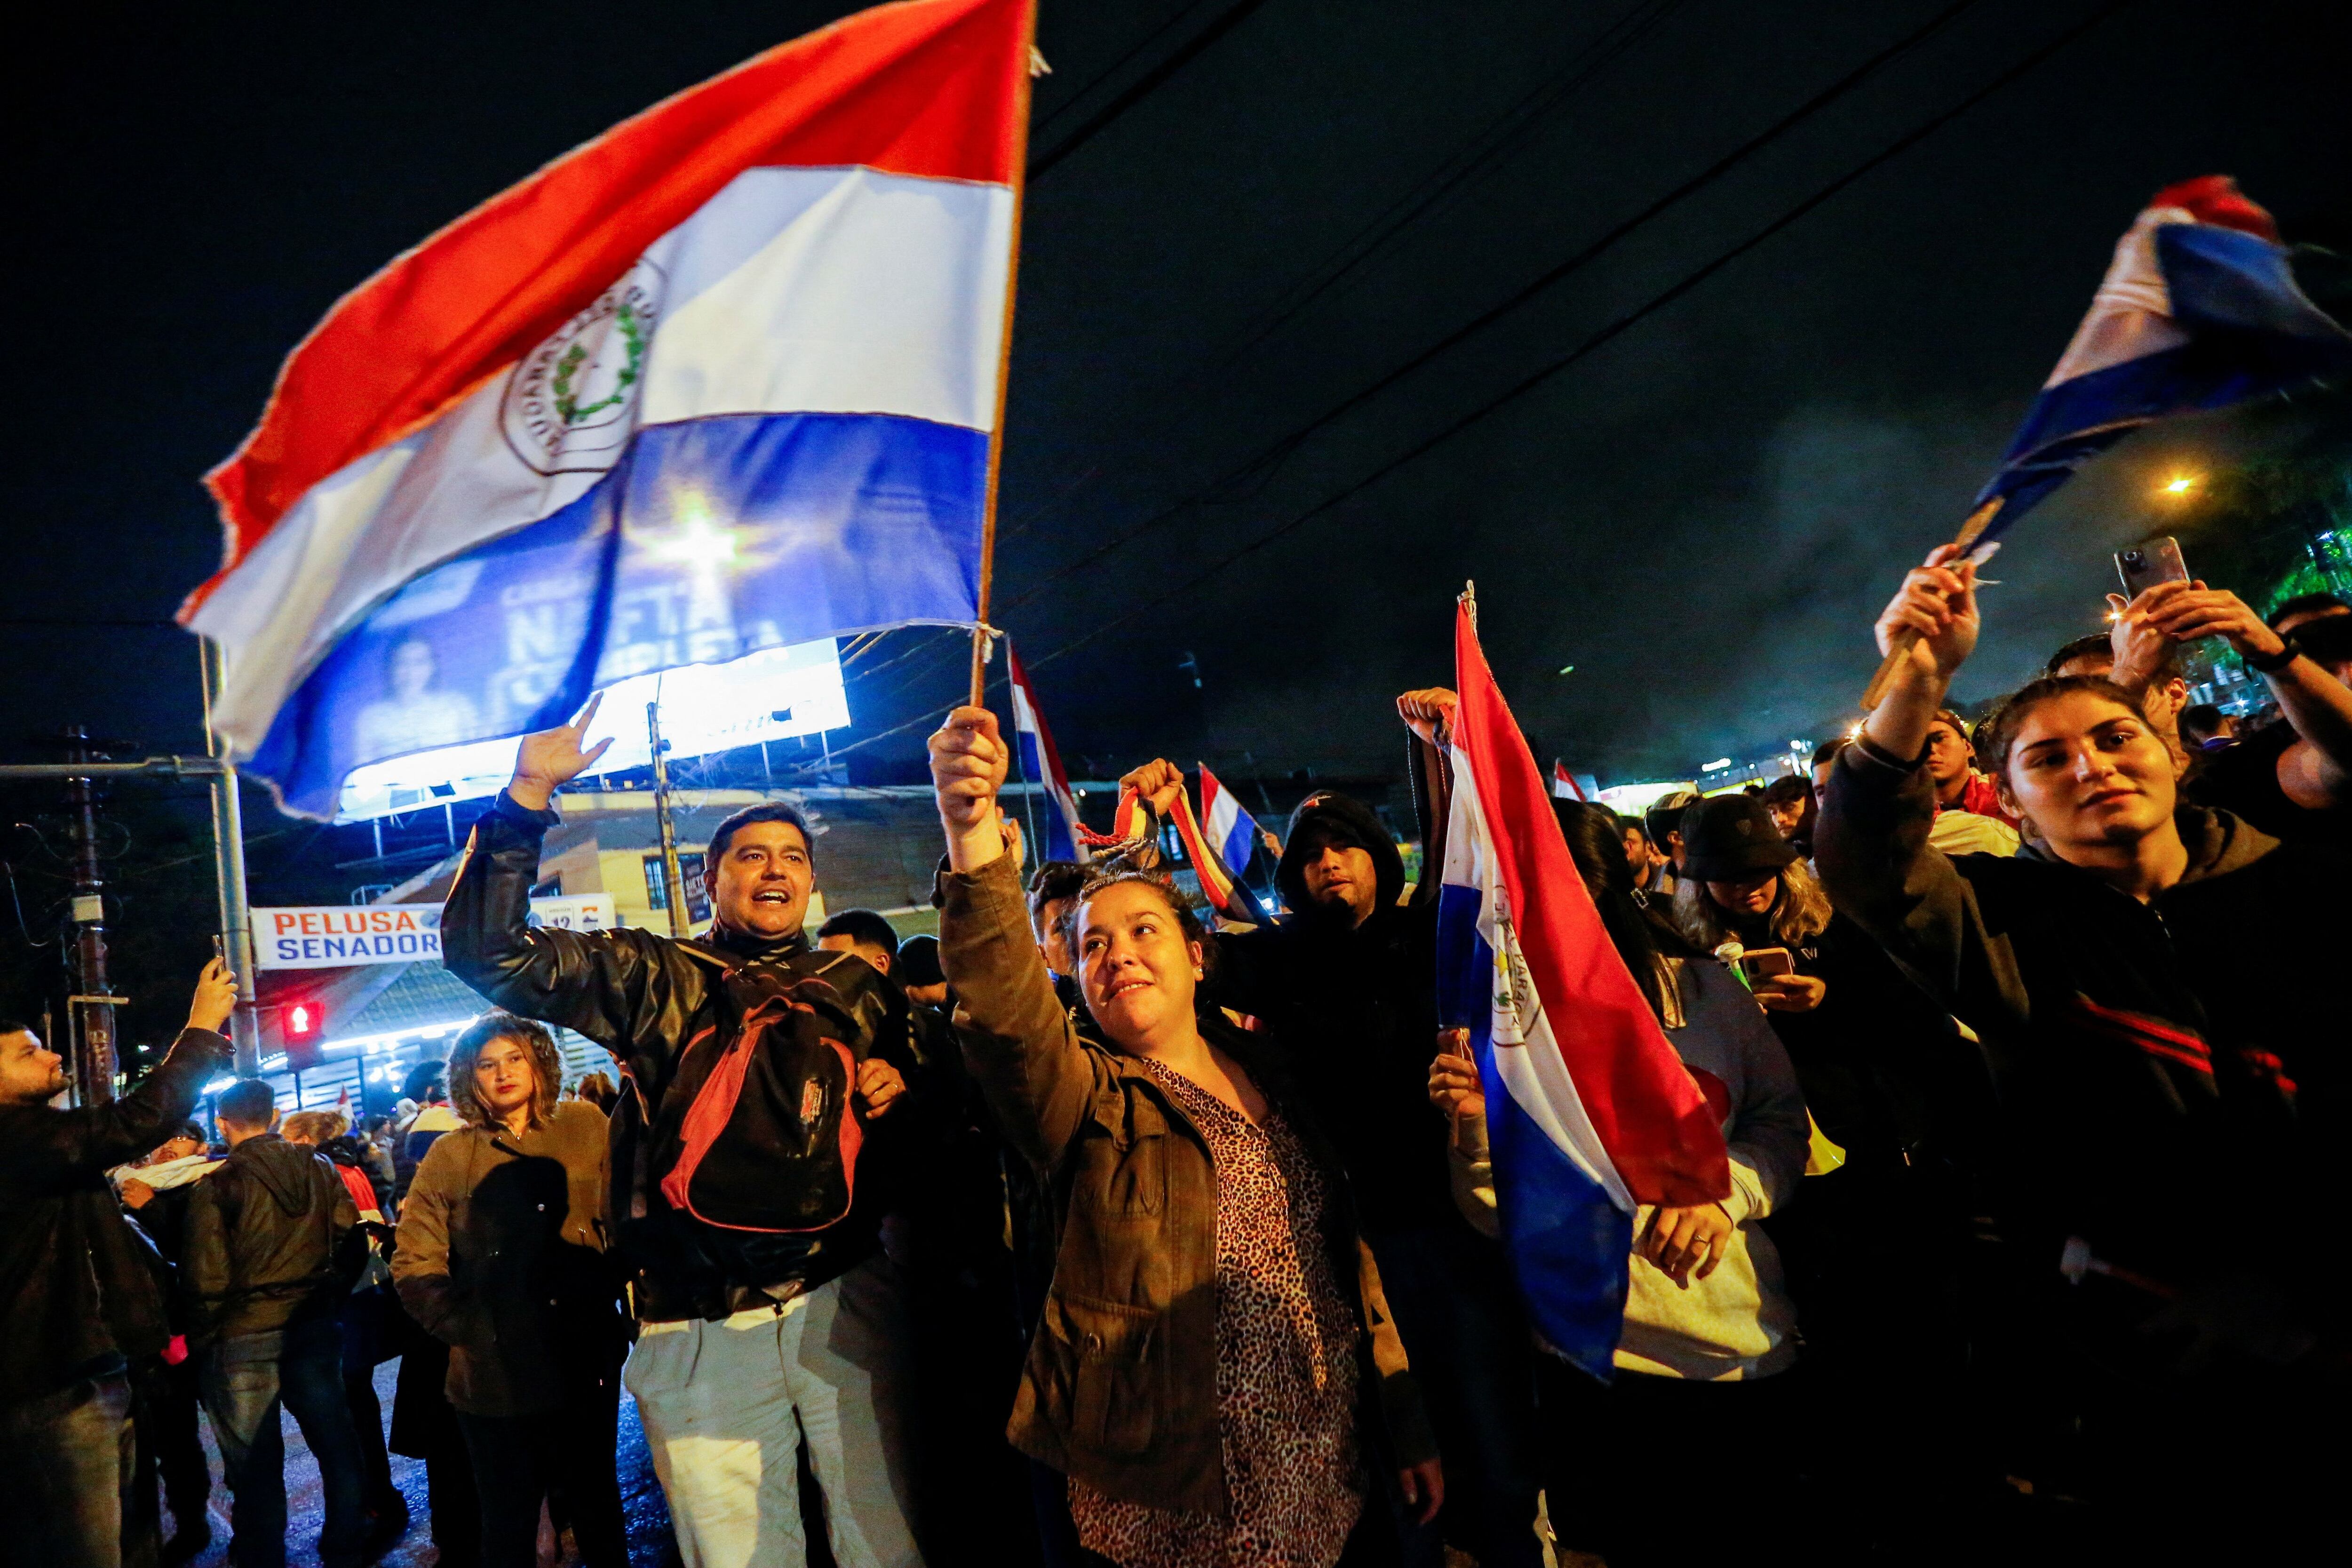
[(1216, 1370), (500, 1254)]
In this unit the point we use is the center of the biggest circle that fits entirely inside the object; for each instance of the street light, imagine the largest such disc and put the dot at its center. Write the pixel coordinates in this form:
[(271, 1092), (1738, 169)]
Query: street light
[(2179, 484)]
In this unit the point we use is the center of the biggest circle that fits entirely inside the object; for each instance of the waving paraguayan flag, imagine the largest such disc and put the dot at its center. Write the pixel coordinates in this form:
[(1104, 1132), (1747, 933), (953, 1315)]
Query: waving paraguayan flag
[(2198, 310), (1590, 1111), (723, 380)]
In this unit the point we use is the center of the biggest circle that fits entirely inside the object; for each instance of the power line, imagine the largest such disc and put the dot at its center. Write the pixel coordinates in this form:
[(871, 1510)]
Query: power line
[(1268, 460), (1117, 65), (1615, 329), (1144, 86), (1466, 162), (1499, 138)]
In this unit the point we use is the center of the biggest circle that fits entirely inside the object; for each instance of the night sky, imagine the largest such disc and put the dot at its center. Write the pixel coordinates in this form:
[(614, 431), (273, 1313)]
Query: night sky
[(1700, 515)]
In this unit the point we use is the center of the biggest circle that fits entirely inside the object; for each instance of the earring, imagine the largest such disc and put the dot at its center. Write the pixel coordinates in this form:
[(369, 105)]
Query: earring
[(1199, 973)]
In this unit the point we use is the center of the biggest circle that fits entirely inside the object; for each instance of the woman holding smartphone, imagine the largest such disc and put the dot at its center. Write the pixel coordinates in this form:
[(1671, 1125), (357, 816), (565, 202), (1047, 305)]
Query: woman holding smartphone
[(1216, 1370)]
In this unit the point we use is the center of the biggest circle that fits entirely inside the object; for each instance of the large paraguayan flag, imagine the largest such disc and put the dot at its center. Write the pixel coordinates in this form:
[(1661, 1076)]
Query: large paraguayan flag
[(722, 380), (2198, 310), (1042, 765), (1589, 1110), (1230, 831)]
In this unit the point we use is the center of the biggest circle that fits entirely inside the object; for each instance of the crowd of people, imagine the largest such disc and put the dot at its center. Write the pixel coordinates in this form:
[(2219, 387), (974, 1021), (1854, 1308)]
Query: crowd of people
[(1093, 1231)]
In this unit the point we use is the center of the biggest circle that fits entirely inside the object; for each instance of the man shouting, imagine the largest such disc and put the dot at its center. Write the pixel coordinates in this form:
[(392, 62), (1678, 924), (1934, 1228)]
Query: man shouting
[(747, 1185)]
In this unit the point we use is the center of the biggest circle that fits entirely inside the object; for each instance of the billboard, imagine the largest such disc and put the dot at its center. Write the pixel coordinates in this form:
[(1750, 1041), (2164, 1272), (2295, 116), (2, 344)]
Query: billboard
[(774, 694), (337, 936)]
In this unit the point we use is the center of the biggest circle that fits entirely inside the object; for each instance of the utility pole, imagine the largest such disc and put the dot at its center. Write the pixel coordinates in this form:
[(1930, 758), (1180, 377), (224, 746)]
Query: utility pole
[(673, 880), (90, 1010), (229, 871)]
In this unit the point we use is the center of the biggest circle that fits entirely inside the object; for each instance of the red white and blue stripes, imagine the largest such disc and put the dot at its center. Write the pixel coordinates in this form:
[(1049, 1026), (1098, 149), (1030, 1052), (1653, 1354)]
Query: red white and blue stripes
[(724, 379), (2198, 310), (1229, 830), (1042, 763), (1589, 1110)]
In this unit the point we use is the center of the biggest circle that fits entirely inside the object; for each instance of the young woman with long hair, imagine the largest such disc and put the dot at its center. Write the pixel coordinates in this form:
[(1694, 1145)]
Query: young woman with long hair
[(2138, 976), (500, 1254), (1215, 1371)]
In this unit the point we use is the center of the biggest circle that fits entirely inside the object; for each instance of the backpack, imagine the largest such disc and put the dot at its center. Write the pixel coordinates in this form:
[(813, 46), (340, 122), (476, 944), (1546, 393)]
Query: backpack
[(756, 1131)]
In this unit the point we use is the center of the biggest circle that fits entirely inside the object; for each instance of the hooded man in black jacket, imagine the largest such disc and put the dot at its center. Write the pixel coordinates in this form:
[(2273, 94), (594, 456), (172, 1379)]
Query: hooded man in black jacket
[(1347, 985), (271, 1251), (759, 1335), (76, 1301)]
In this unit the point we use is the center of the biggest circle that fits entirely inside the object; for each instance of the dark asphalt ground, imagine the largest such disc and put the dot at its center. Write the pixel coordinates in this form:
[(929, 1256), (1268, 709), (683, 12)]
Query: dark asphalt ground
[(651, 1544)]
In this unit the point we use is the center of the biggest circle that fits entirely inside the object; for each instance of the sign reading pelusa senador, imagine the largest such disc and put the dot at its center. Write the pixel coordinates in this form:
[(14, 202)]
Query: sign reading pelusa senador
[(334, 936)]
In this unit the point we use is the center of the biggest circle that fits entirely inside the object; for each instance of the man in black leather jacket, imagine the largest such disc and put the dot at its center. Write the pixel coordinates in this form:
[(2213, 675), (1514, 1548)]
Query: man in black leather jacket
[(269, 1254), (75, 1300), (740, 1328)]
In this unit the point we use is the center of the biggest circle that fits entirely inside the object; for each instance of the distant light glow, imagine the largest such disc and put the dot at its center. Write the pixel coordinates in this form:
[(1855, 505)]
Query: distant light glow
[(1568, 669), (2179, 484), (696, 542), (1718, 762)]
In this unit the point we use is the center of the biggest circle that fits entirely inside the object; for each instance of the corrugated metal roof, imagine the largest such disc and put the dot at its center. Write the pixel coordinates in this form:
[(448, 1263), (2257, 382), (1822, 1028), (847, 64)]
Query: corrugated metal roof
[(426, 993)]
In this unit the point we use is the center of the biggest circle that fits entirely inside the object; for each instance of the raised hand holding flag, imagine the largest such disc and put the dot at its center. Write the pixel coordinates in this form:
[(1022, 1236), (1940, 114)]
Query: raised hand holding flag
[(2198, 311)]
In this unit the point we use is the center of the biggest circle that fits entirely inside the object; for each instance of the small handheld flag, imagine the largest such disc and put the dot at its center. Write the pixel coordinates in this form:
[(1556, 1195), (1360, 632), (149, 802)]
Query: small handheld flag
[(1132, 825), (1563, 782), (1232, 831), (1042, 765), (1589, 1110), (2198, 311)]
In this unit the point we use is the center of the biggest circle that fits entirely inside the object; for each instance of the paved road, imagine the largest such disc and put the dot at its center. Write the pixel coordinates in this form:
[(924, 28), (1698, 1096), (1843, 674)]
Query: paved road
[(651, 1544)]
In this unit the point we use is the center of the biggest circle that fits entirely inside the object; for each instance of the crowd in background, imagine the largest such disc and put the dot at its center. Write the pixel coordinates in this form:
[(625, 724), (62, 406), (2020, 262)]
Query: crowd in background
[(1093, 1231)]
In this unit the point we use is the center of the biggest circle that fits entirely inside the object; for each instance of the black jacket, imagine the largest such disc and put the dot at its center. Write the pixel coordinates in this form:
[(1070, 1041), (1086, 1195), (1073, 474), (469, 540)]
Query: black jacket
[(76, 1298), (270, 1240), (643, 997), (2134, 1047), (1356, 1009)]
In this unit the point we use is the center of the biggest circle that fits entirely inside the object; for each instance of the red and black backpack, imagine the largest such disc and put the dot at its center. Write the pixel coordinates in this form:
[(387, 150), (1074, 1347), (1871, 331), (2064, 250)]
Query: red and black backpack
[(756, 1131)]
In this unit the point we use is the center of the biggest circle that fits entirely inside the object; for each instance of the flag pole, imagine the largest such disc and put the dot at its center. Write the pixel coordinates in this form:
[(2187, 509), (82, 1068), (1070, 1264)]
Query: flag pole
[(980, 635), (1963, 543)]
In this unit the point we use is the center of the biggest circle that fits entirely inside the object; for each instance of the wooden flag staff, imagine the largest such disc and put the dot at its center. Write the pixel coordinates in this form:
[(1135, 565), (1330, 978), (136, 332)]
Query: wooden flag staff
[(1964, 543), (983, 636)]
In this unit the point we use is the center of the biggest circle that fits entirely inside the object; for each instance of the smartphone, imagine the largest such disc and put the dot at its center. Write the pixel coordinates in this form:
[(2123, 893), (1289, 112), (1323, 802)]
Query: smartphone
[(1765, 963), (2151, 562)]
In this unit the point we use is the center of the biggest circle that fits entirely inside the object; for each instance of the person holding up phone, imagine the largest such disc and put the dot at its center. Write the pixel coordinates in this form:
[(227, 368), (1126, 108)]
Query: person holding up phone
[(2293, 779)]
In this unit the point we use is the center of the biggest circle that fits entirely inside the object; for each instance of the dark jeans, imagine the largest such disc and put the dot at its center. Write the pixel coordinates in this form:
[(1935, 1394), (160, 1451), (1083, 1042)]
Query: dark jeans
[(1624, 1463), (67, 1458), (1459, 1316), (246, 1379), (569, 1453), (165, 1403), (361, 1325)]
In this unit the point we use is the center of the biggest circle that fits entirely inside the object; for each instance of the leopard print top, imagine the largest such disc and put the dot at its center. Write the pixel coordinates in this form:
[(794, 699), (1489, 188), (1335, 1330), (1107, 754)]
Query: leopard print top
[(1285, 1370)]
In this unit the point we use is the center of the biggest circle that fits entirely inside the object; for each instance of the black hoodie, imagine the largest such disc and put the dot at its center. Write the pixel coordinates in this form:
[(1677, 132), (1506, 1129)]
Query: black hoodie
[(266, 1241), (1354, 1007)]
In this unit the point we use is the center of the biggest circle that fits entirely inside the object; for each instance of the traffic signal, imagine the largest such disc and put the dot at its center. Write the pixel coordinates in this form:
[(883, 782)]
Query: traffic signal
[(302, 1020)]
